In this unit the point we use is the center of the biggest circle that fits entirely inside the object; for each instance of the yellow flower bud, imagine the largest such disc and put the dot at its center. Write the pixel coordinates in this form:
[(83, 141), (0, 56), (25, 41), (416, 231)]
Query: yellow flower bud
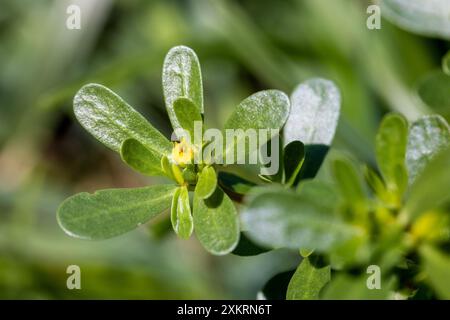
[(182, 153)]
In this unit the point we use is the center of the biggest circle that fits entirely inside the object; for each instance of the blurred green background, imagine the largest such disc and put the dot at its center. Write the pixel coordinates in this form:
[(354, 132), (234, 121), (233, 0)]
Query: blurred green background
[(243, 46)]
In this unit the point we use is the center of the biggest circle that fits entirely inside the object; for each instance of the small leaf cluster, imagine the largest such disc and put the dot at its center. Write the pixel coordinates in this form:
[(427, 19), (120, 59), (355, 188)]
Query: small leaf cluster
[(211, 213)]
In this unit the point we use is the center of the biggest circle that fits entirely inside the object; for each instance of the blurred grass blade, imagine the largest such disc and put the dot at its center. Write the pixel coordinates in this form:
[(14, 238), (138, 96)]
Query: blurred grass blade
[(307, 281), (111, 120), (216, 223), (315, 107), (429, 18), (112, 212), (141, 159), (182, 78), (427, 136)]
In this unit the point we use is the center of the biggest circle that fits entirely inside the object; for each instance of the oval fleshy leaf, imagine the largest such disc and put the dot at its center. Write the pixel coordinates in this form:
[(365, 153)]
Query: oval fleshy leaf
[(141, 159), (112, 121), (111, 212), (307, 281), (173, 209), (187, 114), (315, 107), (390, 150), (207, 183), (267, 109), (427, 136), (181, 216), (181, 78), (216, 223), (285, 219), (429, 18)]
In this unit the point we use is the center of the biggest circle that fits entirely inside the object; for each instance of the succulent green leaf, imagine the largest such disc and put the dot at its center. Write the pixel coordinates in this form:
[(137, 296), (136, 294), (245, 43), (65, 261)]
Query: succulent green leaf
[(187, 114), (112, 121), (431, 188), (216, 223), (434, 91), (108, 213), (173, 209), (180, 214), (427, 136), (141, 159), (293, 157), (390, 145), (277, 219), (428, 18), (315, 107), (437, 268), (182, 78), (267, 109), (307, 281), (207, 183)]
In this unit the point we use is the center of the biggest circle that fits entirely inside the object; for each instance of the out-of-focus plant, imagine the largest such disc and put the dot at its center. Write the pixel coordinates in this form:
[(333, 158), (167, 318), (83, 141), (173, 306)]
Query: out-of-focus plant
[(401, 226)]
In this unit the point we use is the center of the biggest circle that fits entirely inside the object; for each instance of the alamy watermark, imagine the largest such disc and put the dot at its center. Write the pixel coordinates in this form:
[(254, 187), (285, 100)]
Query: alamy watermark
[(373, 22), (74, 280)]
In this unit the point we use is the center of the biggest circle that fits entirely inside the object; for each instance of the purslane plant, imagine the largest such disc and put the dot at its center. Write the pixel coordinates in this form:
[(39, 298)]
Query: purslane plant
[(400, 228), (212, 214)]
